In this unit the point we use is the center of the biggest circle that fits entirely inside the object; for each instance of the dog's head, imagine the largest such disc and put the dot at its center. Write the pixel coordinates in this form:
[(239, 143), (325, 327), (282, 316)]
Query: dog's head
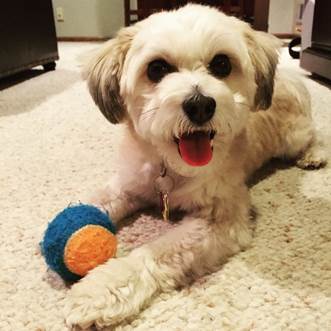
[(185, 79)]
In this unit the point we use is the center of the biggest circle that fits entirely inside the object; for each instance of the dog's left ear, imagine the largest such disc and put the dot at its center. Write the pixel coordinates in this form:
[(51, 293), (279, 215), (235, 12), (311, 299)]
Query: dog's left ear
[(263, 50), (103, 73)]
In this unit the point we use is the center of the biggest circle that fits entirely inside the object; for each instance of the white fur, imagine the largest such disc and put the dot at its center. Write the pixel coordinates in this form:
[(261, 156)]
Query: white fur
[(214, 196)]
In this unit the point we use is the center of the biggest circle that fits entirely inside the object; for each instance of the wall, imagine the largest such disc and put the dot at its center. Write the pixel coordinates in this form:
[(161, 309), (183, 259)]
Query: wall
[(102, 18), (282, 15), (89, 18)]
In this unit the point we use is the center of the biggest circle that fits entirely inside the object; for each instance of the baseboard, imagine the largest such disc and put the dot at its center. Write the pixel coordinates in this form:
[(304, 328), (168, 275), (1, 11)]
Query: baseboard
[(75, 39), (279, 35), (286, 35)]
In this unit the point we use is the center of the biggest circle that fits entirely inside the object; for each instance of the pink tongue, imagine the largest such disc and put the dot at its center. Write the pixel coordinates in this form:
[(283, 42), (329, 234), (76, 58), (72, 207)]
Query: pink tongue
[(195, 148)]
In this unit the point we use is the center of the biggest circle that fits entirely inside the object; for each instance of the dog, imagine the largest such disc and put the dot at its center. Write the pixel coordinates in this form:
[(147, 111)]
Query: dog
[(203, 105)]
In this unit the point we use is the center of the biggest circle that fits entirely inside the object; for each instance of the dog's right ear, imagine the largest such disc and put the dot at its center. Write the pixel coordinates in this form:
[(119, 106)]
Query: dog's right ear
[(263, 50), (103, 73)]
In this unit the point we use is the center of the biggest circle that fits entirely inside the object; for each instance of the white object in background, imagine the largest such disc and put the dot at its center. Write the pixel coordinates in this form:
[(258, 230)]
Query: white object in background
[(59, 14), (307, 24)]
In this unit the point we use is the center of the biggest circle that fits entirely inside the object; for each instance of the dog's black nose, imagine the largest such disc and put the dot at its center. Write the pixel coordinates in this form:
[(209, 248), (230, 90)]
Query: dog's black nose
[(199, 108)]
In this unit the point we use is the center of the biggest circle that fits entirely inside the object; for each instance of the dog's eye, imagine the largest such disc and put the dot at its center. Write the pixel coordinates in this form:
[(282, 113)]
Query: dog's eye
[(157, 69), (220, 66)]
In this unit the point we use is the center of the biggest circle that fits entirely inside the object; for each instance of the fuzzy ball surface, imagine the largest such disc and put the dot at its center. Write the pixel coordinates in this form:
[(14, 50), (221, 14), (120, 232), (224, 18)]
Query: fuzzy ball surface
[(77, 240)]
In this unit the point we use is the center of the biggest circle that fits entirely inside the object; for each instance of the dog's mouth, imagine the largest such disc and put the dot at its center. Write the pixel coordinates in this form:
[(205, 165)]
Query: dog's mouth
[(196, 148)]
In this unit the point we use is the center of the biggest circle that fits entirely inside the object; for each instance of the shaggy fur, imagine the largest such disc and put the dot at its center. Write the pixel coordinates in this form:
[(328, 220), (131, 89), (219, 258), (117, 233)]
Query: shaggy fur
[(215, 196)]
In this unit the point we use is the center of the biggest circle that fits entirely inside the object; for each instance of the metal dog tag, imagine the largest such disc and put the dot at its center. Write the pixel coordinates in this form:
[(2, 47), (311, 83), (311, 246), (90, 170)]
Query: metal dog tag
[(164, 185), (164, 203)]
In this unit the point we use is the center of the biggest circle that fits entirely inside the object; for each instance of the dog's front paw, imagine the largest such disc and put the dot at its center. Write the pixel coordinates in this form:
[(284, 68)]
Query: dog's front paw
[(313, 158), (110, 293), (311, 161)]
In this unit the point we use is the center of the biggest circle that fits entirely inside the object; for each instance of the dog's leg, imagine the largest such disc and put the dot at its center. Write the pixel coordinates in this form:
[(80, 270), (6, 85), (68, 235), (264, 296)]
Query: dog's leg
[(121, 197), (132, 186), (122, 287), (285, 130), (127, 191), (302, 143), (293, 138)]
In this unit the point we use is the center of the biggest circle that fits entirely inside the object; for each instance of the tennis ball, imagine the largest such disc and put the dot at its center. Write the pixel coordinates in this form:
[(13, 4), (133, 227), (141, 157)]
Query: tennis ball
[(77, 240)]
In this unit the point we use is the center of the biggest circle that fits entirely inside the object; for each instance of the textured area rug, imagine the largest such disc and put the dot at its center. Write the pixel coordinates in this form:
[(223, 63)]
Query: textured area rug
[(56, 148)]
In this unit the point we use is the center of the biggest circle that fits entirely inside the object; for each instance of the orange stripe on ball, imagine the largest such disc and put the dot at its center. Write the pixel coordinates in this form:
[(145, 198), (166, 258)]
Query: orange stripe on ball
[(88, 247)]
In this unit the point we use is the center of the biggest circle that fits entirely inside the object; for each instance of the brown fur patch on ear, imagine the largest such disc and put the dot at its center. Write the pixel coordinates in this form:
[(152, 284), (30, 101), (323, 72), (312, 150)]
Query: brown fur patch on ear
[(103, 74), (263, 51)]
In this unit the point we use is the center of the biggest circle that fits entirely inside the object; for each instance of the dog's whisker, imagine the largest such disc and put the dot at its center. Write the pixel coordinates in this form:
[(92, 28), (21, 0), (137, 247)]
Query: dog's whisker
[(147, 116), (149, 110), (211, 127), (242, 103), (181, 126), (230, 127)]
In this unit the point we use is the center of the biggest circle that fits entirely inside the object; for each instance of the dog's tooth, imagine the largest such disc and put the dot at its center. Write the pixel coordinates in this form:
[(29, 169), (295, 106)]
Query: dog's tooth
[(211, 142)]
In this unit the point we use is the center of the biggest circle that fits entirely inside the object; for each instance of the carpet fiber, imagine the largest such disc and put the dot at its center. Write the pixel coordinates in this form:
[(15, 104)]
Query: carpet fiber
[(56, 148)]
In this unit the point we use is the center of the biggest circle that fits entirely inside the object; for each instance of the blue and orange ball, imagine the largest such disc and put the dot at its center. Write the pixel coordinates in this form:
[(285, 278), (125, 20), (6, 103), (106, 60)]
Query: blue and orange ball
[(77, 240)]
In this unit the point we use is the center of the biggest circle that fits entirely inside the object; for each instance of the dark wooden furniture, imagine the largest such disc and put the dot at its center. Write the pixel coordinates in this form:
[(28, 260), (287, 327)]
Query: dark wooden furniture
[(27, 36), (243, 9), (261, 15), (317, 57)]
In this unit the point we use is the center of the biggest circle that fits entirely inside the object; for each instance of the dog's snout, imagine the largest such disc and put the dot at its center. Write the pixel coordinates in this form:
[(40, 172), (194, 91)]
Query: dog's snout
[(199, 108)]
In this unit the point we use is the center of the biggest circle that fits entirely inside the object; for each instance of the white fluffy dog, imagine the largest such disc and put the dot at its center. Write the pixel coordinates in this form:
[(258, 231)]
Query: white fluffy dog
[(201, 99)]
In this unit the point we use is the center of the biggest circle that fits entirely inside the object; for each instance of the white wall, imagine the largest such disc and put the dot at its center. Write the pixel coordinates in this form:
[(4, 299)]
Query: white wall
[(282, 15), (102, 18), (89, 18)]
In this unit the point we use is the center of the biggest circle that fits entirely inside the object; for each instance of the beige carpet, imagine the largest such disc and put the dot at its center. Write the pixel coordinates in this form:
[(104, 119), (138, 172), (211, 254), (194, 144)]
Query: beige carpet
[(55, 148)]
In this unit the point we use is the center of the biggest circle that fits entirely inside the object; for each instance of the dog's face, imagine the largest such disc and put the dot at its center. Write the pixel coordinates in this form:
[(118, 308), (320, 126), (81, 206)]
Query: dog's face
[(186, 81)]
